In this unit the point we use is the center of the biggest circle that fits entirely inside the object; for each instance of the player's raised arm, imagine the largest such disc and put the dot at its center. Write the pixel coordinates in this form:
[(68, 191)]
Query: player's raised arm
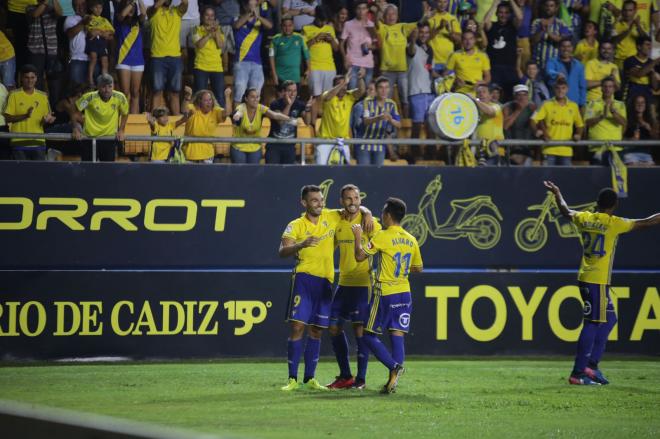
[(561, 203), (289, 247), (360, 255), (650, 221)]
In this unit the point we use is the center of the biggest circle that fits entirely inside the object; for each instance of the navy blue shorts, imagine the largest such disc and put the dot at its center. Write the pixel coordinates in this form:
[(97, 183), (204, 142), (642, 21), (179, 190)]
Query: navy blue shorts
[(390, 312), (97, 45), (310, 300), (350, 304), (597, 301)]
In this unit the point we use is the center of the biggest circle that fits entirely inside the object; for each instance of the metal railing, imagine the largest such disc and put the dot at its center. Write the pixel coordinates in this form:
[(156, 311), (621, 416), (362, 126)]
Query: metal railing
[(506, 143)]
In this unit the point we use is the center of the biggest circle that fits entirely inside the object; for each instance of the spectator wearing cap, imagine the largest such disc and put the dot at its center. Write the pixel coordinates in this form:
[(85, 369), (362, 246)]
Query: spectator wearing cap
[(502, 43), (357, 44), (287, 54), (558, 119), (517, 115), (393, 39), (103, 112), (569, 68), (445, 34), (27, 111), (596, 70), (491, 123), (472, 67), (605, 119), (547, 32)]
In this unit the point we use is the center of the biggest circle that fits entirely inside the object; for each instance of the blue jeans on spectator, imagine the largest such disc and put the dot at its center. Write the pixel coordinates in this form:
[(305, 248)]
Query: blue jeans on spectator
[(365, 157), (247, 74), (280, 154), (557, 160), (78, 71), (167, 73), (217, 83), (245, 157), (353, 83), (8, 72)]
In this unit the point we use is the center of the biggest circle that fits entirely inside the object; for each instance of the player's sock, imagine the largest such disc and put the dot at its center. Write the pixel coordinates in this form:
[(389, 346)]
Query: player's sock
[(585, 344), (600, 341), (379, 350), (340, 347), (294, 349), (362, 358), (398, 348), (312, 349)]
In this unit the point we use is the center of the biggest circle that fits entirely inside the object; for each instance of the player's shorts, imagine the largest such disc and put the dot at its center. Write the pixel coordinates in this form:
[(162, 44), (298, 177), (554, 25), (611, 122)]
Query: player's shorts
[(597, 301), (391, 312), (350, 304), (310, 300)]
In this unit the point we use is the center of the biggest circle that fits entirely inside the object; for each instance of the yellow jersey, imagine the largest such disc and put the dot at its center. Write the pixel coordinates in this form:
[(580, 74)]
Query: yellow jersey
[(201, 125), (335, 121), (441, 43), (102, 117), (165, 29), (249, 128), (320, 54), (606, 129), (492, 128), (585, 52), (393, 40), (18, 103), (469, 67), (208, 58), (100, 23), (397, 251), (19, 6), (559, 122), (351, 272), (6, 49), (597, 70), (318, 260), (644, 8), (626, 47), (599, 233), (161, 150)]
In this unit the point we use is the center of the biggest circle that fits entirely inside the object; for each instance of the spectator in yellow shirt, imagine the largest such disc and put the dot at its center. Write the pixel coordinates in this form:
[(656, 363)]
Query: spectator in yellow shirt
[(209, 41), (161, 126), (7, 62), (597, 69), (491, 123), (587, 48), (204, 116), (605, 119), (28, 111), (445, 34), (472, 67), (558, 119), (626, 31)]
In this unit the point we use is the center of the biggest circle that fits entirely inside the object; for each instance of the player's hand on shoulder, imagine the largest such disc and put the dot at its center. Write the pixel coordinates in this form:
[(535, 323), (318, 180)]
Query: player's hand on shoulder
[(357, 230)]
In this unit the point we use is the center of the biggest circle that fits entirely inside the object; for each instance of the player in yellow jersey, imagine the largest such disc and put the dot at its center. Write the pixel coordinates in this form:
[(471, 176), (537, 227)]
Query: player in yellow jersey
[(390, 306), (310, 239), (352, 295), (599, 233)]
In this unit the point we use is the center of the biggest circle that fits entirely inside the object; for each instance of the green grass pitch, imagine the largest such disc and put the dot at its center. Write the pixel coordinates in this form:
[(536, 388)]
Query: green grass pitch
[(486, 398)]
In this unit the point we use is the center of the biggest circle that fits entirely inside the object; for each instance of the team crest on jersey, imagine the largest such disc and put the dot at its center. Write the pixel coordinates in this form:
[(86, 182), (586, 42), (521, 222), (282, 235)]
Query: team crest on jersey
[(587, 308), (325, 224), (288, 229), (404, 320)]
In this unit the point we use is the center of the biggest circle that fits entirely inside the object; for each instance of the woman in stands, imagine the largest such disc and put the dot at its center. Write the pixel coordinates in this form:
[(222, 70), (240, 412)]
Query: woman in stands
[(130, 57), (204, 115), (248, 121), (642, 125), (209, 41)]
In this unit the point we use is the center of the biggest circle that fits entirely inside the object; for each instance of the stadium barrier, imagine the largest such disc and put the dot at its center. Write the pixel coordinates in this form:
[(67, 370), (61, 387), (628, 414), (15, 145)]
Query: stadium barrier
[(147, 216), (198, 314), (506, 143)]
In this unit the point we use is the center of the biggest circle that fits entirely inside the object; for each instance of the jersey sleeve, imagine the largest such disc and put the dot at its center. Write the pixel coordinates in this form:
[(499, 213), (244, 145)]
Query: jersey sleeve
[(578, 219), (291, 231), (577, 118), (11, 105), (416, 257), (622, 225), (408, 28), (377, 228), (374, 244), (455, 26), (486, 62), (123, 105), (334, 216), (83, 101), (540, 113)]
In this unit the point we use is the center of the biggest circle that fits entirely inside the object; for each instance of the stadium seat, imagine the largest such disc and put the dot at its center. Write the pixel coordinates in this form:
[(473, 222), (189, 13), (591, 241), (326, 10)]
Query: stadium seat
[(137, 125), (399, 162), (430, 162)]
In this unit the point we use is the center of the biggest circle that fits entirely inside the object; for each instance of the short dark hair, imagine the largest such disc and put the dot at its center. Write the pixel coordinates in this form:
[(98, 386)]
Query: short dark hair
[(396, 208), (337, 79), (565, 39), (286, 18), (28, 68), (380, 80), (348, 187), (320, 13), (159, 112), (307, 189), (361, 2), (608, 79), (287, 83), (560, 81), (92, 3), (629, 1), (607, 198), (642, 39)]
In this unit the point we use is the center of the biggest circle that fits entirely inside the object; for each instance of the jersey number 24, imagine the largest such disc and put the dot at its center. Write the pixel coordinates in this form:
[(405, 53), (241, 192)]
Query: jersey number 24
[(593, 244)]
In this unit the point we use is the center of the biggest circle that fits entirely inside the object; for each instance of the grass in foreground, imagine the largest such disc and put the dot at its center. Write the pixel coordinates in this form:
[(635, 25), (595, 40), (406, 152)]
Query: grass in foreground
[(480, 399)]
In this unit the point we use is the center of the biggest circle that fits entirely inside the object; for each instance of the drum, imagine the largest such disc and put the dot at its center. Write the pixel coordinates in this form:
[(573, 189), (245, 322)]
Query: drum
[(453, 116)]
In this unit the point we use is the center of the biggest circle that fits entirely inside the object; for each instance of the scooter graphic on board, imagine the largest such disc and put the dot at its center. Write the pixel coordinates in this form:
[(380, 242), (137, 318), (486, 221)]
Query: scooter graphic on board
[(531, 234), (477, 219), (325, 186)]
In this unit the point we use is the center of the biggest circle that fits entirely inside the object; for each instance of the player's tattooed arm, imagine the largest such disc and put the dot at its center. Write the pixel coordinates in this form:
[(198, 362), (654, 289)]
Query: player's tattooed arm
[(360, 255), (561, 203), (367, 220), (289, 247), (650, 221)]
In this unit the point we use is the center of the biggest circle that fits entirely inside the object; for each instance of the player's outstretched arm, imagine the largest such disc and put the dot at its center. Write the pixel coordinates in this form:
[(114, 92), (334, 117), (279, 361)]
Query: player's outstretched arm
[(561, 203), (289, 247), (360, 255), (650, 221)]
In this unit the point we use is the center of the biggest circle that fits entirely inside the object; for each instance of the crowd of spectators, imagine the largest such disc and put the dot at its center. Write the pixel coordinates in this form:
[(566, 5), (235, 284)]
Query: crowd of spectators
[(536, 69)]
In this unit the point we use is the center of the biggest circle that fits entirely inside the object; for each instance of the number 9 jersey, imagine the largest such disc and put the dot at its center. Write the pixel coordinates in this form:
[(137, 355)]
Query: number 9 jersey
[(599, 233), (396, 251)]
